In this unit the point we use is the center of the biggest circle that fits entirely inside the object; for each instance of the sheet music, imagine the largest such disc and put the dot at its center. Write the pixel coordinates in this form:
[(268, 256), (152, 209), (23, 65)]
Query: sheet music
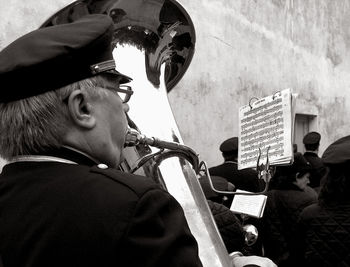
[(253, 205), (267, 123)]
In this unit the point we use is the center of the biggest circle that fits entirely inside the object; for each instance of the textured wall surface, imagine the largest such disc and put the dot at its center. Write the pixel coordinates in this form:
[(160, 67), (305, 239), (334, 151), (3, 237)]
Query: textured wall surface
[(18, 17), (253, 48), (245, 49)]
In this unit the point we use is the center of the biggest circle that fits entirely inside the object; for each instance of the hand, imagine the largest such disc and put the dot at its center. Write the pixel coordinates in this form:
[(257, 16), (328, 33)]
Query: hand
[(241, 261)]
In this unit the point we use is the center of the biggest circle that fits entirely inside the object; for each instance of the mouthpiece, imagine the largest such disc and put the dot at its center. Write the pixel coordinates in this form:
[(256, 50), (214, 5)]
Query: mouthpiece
[(134, 138)]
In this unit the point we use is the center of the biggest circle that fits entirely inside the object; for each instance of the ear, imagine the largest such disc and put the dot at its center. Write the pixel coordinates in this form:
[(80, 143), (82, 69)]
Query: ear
[(80, 109)]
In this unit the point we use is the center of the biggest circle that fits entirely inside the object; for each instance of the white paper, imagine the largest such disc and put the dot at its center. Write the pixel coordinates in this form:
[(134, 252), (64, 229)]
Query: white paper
[(253, 205), (267, 124)]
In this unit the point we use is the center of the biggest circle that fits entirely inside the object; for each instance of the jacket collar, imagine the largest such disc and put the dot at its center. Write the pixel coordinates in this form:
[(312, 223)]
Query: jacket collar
[(72, 154), (310, 153), (65, 154)]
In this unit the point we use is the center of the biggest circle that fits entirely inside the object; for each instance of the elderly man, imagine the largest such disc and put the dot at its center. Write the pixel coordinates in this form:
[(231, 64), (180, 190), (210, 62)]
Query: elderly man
[(63, 127)]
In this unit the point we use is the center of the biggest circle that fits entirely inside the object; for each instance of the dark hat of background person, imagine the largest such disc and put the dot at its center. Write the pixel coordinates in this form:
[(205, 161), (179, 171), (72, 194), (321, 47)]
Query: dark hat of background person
[(230, 145), (300, 165), (338, 152), (312, 138), (52, 57), (219, 183)]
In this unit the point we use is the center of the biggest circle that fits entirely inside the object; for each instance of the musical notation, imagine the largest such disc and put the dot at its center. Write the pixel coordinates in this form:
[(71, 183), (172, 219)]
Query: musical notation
[(267, 123), (252, 205)]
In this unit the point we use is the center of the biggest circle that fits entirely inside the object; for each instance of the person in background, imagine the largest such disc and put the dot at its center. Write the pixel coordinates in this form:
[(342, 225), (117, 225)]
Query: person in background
[(229, 226), (325, 226), (295, 148), (63, 126), (288, 197), (221, 184), (246, 179), (311, 142)]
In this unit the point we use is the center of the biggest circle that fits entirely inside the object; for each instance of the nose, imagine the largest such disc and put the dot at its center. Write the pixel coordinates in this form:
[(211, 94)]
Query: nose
[(126, 107)]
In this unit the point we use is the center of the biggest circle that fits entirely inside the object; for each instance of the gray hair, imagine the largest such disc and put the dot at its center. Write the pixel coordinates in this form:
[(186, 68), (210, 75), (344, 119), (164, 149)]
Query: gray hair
[(36, 124)]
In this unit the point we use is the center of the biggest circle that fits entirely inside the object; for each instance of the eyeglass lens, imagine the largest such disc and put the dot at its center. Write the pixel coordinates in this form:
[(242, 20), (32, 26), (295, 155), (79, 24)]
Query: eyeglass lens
[(124, 93)]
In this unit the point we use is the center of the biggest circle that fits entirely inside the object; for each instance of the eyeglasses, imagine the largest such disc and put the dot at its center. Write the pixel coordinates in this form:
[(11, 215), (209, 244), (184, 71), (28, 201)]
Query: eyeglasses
[(125, 92)]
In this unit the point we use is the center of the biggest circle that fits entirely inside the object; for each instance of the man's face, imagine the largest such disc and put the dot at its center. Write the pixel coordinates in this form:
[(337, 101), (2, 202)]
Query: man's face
[(303, 181), (112, 123)]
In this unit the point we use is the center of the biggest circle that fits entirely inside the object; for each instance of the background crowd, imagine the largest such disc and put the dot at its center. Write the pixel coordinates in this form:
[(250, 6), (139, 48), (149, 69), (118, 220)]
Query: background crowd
[(306, 221)]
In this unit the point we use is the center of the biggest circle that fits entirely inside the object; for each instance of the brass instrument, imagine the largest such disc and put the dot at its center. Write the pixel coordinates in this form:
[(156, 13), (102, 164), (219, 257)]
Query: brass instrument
[(154, 44)]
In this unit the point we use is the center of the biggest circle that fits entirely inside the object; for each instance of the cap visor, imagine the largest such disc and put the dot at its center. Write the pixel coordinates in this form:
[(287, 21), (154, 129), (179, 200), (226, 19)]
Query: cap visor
[(123, 78)]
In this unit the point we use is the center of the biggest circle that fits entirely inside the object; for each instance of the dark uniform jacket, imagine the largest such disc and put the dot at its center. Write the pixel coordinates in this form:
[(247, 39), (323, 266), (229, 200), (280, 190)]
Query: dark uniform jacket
[(326, 234), (279, 231), (229, 226), (246, 179), (59, 214), (318, 168)]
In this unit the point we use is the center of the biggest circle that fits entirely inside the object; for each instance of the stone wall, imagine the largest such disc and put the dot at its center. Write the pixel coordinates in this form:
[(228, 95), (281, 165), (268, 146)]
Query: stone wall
[(253, 48), (245, 49)]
